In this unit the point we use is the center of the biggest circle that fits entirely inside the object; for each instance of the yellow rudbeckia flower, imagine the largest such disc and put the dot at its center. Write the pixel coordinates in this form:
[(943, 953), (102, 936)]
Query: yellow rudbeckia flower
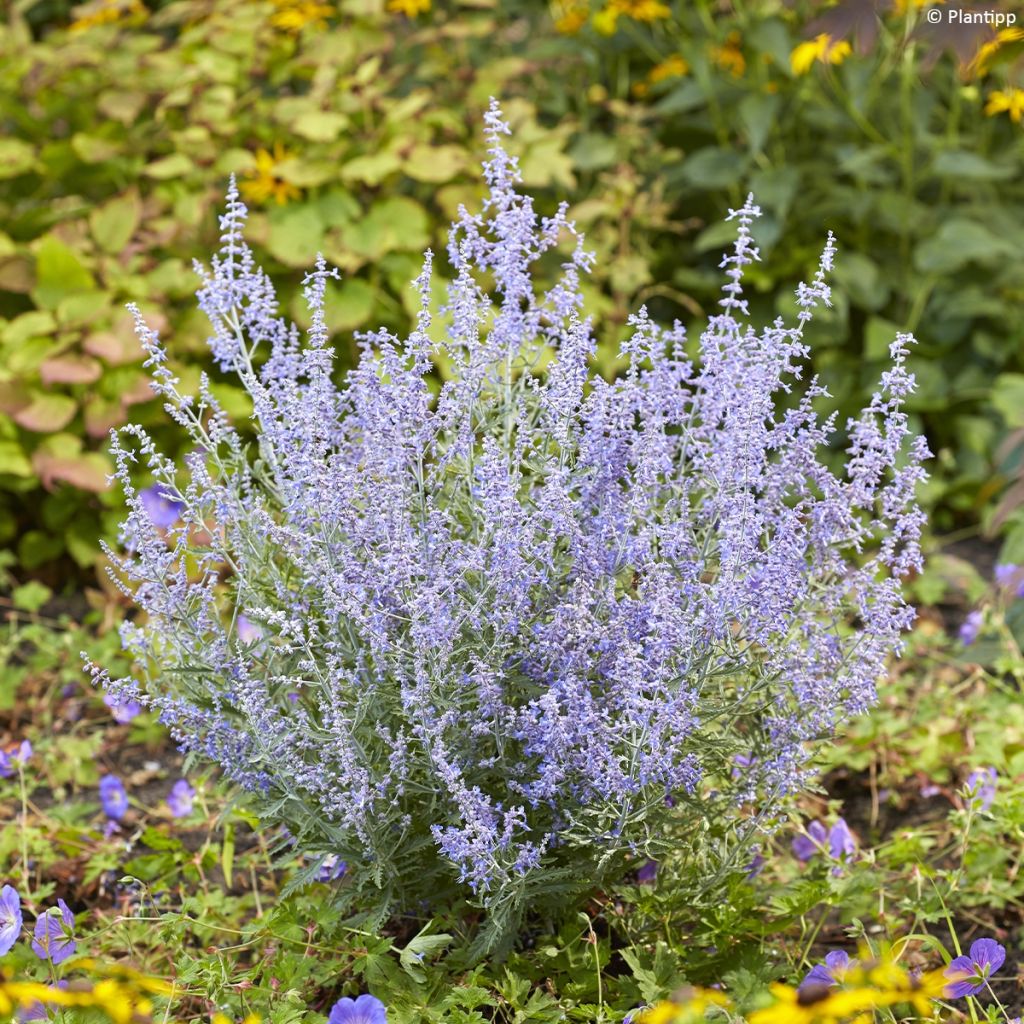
[(1006, 101), (822, 48)]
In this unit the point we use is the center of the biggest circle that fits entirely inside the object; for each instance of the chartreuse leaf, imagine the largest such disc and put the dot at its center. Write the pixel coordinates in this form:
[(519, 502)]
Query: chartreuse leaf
[(59, 273), (16, 157)]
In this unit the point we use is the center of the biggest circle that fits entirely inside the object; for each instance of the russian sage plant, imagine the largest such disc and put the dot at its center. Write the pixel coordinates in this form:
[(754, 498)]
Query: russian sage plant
[(498, 639)]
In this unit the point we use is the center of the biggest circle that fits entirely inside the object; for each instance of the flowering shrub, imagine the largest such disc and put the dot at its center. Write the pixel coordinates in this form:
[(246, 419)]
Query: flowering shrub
[(500, 638)]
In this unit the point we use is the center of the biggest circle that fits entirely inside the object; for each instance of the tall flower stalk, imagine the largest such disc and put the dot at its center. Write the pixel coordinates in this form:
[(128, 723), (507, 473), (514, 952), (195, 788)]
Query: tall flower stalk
[(500, 639)]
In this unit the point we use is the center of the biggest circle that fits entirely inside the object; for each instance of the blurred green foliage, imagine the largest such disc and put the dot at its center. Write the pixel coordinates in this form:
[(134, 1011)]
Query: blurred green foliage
[(856, 116), (354, 128)]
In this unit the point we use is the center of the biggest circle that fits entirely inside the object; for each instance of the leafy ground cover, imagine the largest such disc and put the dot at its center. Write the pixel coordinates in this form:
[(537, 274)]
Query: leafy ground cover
[(915, 838)]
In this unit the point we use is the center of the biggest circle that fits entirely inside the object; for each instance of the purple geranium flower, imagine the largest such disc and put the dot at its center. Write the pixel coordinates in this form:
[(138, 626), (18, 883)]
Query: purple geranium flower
[(364, 1010), (36, 1010), (10, 918), (1005, 572), (841, 843), (180, 798), (163, 510), (981, 788), (113, 797), (755, 867), (831, 972), (970, 973), (123, 711), (970, 628), (805, 847), (331, 869), (53, 938), (647, 872), (10, 758)]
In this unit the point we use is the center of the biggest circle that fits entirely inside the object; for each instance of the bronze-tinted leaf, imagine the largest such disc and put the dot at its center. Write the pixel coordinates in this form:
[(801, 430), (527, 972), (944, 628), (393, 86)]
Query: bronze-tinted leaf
[(70, 369)]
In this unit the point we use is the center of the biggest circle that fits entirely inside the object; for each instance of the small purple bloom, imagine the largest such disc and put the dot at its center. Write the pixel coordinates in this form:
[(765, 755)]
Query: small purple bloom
[(10, 918), (841, 844), (180, 798), (164, 511), (1005, 572), (970, 973), (53, 938), (113, 797), (631, 1016), (647, 872), (331, 869), (37, 1011), (981, 788), (805, 847), (755, 867), (741, 761), (970, 628), (364, 1010), (9, 759), (122, 712), (930, 789), (831, 972)]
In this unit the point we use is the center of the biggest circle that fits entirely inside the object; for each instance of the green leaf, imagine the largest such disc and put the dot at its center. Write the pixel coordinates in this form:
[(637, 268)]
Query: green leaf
[(757, 115), (296, 235), (59, 273), (227, 853), (593, 151), (1008, 398), (16, 157), (879, 334), (36, 547), (350, 306), (37, 323), (714, 167), (958, 242), (93, 149), (861, 279), (14, 461), (435, 164), (320, 125), (961, 163), (398, 223), (114, 223), (371, 169), (31, 596), (177, 165), (682, 98)]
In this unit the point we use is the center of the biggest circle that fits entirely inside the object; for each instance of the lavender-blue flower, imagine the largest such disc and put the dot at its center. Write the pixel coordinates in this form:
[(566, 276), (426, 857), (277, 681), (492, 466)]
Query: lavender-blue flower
[(514, 633)]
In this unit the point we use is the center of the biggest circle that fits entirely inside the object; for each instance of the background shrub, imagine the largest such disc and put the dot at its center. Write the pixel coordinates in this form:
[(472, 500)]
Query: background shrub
[(351, 127)]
